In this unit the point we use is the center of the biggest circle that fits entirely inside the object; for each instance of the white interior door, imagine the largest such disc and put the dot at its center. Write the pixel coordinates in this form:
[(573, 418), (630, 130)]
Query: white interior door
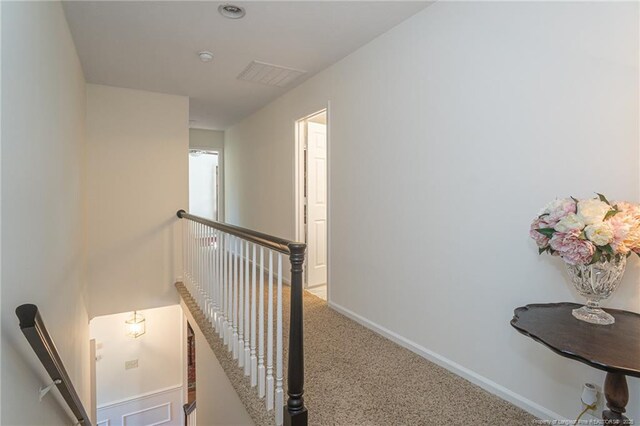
[(316, 203), (203, 184)]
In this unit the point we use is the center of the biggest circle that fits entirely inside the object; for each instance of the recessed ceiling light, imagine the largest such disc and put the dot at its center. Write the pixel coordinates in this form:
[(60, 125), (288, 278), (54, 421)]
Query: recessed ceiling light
[(205, 56), (231, 11)]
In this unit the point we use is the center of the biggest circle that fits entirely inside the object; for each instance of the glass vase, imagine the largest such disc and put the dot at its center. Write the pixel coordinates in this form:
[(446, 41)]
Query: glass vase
[(596, 282)]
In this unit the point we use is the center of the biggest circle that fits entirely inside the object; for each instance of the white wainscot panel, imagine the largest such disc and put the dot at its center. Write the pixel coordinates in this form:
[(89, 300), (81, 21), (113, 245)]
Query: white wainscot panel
[(162, 407)]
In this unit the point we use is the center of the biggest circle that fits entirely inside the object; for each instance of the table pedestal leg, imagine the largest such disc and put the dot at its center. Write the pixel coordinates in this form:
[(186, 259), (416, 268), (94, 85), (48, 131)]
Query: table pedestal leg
[(616, 393)]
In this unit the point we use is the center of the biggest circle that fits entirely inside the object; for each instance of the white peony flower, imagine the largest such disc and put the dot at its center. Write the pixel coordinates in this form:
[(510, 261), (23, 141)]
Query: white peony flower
[(592, 211), (569, 223), (599, 234), (554, 205)]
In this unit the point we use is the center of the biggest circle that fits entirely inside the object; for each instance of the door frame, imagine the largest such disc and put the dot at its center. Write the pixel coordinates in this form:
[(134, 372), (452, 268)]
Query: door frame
[(299, 185), (219, 179)]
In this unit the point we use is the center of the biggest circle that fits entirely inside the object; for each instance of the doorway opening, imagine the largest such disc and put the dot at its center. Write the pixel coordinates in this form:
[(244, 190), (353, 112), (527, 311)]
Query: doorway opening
[(191, 365), (312, 199), (204, 182)]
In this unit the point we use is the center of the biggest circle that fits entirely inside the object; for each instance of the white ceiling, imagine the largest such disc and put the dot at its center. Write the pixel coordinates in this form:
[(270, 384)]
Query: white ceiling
[(153, 45)]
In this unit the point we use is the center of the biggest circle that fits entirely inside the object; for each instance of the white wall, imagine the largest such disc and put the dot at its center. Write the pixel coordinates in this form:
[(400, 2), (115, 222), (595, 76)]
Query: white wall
[(218, 404), (160, 358), (43, 125), (206, 139), (137, 145), (447, 134), (159, 350), (211, 140)]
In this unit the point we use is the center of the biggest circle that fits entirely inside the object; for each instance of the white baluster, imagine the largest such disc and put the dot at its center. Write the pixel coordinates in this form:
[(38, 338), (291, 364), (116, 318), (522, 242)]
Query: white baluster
[(279, 403), (205, 269), (252, 355), (201, 268), (199, 257), (220, 280), (247, 331), (212, 273), (183, 224), (198, 272), (235, 298), (223, 307), (217, 279), (188, 283), (270, 336), (212, 279), (261, 369), (225, 287), (205, 272), (241, 307), (196, 264), (191, 261), (188, 250), (216, 261), (203, 300), (230, 291), (184, 251)]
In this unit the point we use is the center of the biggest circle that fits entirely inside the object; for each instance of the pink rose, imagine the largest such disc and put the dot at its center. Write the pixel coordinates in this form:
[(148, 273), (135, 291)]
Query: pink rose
[(629, 209), (621, 224), (541, 240), (572, 249)]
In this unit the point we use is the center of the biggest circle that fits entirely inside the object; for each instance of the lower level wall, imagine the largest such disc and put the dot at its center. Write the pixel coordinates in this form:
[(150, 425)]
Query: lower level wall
[(162, 407), (218, 402)]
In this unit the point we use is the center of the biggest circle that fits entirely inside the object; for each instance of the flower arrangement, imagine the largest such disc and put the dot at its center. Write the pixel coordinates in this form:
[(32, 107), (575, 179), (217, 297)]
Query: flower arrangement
[(583, 232)]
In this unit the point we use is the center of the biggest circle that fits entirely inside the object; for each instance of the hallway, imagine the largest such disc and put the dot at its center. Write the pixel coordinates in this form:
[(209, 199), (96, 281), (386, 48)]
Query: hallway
[(354, 376)]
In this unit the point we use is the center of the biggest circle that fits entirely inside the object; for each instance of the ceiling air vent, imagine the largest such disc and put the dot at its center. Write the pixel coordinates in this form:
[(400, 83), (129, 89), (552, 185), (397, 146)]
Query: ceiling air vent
[(271, 75)]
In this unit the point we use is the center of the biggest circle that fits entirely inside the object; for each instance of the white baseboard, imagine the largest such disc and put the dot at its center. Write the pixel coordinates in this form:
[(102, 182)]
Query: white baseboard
[(475, 378)]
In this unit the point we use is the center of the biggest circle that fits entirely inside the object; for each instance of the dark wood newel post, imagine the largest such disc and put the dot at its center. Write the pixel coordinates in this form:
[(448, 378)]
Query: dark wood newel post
[(295, 413)]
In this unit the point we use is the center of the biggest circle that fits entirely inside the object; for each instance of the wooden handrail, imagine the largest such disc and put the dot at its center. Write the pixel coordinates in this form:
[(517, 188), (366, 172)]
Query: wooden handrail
[(34, 330), (275, 243), (188, 408), (295, 412)]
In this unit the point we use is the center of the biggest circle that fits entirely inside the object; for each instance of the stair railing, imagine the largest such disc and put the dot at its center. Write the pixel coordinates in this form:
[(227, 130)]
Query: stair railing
[(190, 415), (224, 271), (34, 330)]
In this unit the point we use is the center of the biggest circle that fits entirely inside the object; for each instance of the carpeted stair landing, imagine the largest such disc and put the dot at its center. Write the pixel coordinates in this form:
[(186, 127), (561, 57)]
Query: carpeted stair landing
[(354, 377)]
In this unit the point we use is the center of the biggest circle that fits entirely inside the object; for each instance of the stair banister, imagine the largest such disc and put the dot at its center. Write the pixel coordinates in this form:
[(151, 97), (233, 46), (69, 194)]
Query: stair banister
[(229, 279), (34, 330), (296, 412), (190, 414)]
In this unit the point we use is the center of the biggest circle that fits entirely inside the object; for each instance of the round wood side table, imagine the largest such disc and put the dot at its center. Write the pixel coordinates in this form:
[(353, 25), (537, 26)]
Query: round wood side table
[(612, 348)]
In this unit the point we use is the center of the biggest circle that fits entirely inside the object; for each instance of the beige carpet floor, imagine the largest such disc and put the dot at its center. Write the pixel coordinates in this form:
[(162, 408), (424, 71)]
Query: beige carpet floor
[(355, 377)]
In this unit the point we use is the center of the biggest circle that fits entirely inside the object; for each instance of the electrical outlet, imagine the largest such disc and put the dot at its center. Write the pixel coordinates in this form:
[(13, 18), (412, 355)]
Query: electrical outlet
[(128, 365)]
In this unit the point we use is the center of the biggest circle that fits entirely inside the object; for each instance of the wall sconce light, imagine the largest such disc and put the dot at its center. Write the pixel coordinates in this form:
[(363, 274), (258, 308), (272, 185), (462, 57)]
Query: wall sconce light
[(136, 325)]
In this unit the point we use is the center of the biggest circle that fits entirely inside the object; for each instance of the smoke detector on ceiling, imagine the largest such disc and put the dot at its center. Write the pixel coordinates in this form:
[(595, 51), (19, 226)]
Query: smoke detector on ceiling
[(205, 56), (231, 11), (269, 74)]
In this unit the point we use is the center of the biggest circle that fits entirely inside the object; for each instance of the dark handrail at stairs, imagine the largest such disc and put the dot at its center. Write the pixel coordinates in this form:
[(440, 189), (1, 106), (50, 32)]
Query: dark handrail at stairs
[(34, 330)]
